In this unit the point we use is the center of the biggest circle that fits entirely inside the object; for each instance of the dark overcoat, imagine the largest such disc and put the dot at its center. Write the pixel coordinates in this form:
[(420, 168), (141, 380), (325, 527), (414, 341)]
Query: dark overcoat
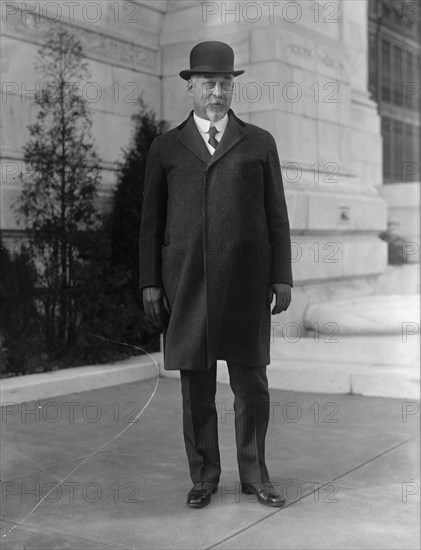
[(215, 234)]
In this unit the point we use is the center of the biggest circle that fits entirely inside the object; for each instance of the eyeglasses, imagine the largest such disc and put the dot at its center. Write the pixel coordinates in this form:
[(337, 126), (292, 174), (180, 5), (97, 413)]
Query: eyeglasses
[(209, 85)]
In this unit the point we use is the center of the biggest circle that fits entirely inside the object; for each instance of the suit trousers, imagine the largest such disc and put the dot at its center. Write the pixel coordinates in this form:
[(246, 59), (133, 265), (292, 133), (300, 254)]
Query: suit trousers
[(200, 422)]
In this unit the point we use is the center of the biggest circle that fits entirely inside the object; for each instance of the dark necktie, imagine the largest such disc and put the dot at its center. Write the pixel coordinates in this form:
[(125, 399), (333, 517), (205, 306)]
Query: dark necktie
[(212, 140)]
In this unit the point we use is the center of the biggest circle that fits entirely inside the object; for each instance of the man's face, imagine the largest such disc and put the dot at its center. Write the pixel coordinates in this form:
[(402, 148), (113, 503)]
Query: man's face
[(211, 94)]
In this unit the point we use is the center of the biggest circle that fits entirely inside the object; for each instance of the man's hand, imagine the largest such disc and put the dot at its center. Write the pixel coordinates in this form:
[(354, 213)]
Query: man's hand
[(156, 305), (282, 291)]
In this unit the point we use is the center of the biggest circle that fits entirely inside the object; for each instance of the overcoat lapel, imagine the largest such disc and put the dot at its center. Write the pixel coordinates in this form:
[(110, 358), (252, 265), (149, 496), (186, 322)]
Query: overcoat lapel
[(190, 136)]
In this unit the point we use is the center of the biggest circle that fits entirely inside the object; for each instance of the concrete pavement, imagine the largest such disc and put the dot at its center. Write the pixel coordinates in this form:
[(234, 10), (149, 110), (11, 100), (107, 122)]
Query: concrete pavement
[(78, 473)]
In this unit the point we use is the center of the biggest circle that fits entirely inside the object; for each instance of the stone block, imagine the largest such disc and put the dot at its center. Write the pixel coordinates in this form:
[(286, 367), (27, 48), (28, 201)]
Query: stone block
[(302, 93), (333, 145), (361, 365), (356, 35), (364, 255), (321, 257), (176, 104), (370, 174), (97, 89), (369, 315), (333, 100), (332, 61), (317, 257), (138, 21), (262, 88), (295, 136), (336, 212), (397, 279), (175, 58), (364, 114), (192, 25), (298, 205), (125, 87), (324, 16), (364, 144), (312, 51), (109, 143), (264, 45), (17, 114), (18, 64), (296, 48)]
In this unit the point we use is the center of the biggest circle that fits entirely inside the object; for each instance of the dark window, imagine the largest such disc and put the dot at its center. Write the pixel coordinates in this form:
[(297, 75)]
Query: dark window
[(387, 149), (409, 85), (386, 71), (397, 76), (394, 61), (398, 146)]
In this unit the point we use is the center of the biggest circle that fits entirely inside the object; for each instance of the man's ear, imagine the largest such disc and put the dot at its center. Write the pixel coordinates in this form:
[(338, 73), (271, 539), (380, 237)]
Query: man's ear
[(190, 85)]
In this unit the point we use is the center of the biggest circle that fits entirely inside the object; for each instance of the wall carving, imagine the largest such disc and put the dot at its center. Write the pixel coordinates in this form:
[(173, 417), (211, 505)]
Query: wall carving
[(304, 52), (97, 45)]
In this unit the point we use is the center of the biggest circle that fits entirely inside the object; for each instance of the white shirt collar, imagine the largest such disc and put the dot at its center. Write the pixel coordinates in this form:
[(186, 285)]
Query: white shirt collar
[(204, 124)]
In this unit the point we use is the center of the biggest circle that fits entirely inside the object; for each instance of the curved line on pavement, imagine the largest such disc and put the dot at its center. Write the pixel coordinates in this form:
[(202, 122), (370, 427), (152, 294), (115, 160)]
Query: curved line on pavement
[(102, 446)]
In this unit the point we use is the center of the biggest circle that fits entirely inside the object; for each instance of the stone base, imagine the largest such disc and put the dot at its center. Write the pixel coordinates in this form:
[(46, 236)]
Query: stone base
[(396, 314), (335, 233), (33, 387), (402, 279), (348, 378), (380, 366)]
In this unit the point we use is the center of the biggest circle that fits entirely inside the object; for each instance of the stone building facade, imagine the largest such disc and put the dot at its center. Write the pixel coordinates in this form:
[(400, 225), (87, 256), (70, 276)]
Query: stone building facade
[(305, 80)]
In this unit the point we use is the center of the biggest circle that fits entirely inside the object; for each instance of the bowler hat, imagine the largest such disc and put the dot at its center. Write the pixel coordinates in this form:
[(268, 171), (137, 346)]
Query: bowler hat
[(211, 57)]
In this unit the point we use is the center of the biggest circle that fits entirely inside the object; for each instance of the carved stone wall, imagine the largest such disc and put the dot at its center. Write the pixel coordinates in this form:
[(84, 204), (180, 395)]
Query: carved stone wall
[(305, 81), (120, 41)]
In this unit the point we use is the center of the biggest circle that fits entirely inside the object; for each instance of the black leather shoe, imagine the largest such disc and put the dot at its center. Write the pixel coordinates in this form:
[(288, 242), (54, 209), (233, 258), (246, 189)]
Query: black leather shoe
[(265, 493), (200, 496)]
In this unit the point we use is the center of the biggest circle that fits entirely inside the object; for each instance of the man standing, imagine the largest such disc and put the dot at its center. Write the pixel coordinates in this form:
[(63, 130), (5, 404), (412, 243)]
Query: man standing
[(214, 251)]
